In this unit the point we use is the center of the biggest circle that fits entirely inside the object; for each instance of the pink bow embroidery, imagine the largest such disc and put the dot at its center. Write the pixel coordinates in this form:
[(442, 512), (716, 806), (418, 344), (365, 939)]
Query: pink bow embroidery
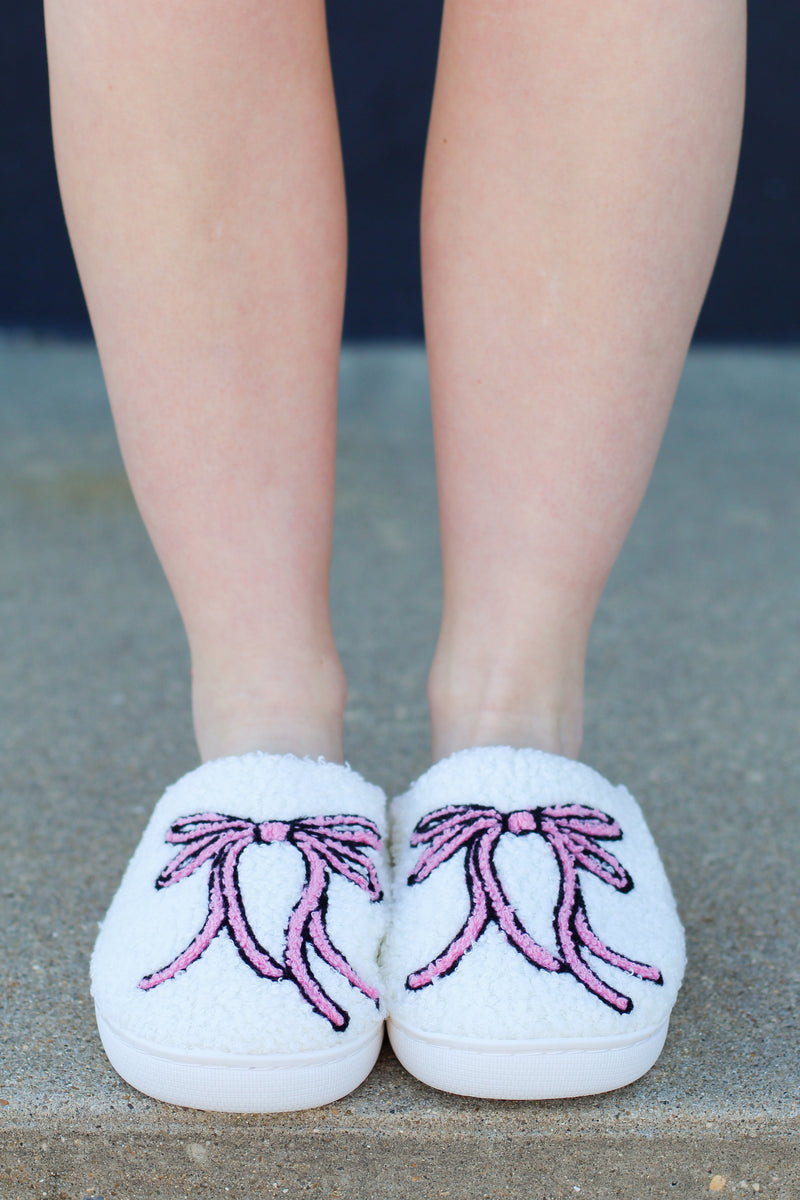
[(329, 845), (571, 831)]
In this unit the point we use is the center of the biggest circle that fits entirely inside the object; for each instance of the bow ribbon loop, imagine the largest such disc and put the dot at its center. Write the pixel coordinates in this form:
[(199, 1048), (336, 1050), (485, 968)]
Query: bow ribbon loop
[(446, 831), (576, 829), (203, 837), (573, 833), (339, 840), (330, 846)]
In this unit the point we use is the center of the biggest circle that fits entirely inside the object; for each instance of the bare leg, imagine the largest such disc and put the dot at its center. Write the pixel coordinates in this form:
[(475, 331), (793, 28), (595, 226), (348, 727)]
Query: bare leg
[(579, 170), (200, 168)]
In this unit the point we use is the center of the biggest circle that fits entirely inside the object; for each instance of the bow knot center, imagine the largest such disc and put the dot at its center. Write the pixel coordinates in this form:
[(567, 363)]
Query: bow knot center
[(523, 821), (272, 831)]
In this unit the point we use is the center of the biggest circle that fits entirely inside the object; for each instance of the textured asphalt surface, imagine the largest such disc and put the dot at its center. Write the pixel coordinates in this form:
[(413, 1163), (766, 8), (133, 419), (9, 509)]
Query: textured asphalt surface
[(693, 702)]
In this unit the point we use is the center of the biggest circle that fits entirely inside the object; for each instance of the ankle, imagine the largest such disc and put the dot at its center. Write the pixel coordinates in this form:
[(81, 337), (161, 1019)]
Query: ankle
[(557, 733), (278, 710), (490, 709), (274, 733)]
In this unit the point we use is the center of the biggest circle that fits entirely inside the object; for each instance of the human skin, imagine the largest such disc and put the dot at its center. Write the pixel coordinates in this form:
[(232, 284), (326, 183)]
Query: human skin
[(198, 155), (580, 163)]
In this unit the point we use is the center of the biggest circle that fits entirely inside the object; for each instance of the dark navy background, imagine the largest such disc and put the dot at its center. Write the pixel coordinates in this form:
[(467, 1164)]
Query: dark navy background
[(384, 57)]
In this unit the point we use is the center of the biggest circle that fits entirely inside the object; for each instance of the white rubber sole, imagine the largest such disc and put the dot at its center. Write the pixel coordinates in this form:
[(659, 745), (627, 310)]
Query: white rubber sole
[(537, 1070), (239, 1082)]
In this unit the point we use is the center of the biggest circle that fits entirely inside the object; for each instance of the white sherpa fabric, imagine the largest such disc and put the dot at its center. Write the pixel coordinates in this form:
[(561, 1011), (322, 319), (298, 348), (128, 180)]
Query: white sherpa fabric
[(494, 993), (219, 1004)]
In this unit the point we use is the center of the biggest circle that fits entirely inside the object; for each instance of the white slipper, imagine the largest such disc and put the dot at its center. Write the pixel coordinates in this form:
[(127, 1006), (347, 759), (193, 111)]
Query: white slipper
[(535, 950), (236, 969)]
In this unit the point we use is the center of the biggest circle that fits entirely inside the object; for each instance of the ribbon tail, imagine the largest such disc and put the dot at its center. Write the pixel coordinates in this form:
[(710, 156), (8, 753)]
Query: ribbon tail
[(333, 957), (242, 935), (505, 913), (214, 922), (599, 949), (466, 937), (296, 952), (568, 906)]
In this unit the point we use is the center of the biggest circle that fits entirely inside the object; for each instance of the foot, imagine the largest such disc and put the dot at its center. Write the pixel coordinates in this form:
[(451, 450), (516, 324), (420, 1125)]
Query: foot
[(236, 969), (535, 949)]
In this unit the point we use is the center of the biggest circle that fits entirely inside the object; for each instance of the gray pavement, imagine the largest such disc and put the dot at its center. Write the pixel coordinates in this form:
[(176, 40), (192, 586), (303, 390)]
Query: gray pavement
[(693, 701)]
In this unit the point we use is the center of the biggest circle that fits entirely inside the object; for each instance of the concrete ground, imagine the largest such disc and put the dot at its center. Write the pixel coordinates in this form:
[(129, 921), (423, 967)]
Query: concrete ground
[(693, 701)]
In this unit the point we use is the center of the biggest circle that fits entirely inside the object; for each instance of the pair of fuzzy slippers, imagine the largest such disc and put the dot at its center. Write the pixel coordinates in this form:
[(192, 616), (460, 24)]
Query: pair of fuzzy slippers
[(528, 946)]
